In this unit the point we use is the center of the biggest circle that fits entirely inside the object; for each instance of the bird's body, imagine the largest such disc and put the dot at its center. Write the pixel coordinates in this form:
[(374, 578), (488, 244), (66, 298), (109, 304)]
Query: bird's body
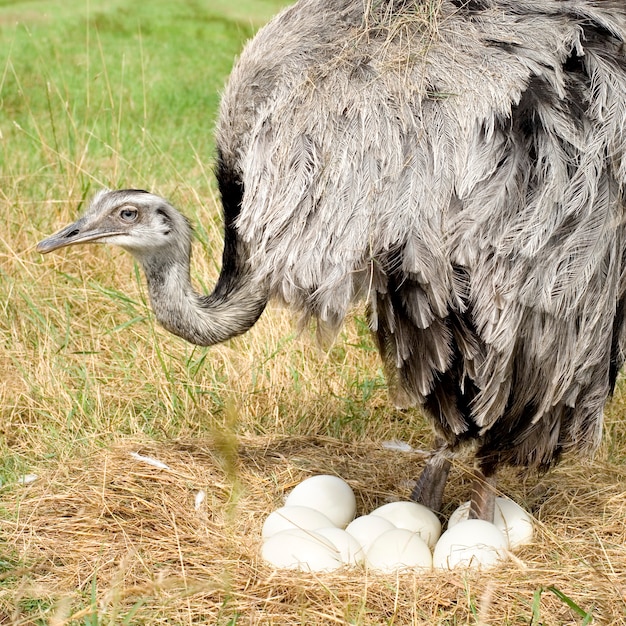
[(457, 165)]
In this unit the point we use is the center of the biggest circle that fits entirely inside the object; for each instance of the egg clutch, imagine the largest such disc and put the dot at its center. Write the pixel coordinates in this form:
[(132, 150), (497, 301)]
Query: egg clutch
[(316, 530)]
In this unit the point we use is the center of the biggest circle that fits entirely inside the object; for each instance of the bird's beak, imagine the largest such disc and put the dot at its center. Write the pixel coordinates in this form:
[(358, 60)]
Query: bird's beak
[(78, 232)]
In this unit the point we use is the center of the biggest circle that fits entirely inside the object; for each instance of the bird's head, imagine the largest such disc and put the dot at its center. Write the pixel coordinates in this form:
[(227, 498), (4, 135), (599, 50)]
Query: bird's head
[(142, 223)]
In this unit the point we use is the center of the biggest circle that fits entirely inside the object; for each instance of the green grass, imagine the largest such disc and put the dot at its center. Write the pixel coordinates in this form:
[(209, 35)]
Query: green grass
[(125, 94), (138, 85), (122, 93)]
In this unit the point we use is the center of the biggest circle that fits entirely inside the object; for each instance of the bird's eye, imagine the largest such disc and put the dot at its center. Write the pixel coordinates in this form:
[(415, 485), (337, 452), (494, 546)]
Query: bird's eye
[(128, 215)]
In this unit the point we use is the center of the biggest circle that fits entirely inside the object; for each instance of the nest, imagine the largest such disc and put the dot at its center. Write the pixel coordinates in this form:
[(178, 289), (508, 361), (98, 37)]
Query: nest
[(115, 536)]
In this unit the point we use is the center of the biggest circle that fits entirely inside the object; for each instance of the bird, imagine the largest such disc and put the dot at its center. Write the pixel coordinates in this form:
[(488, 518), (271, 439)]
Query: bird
[(456, 165)]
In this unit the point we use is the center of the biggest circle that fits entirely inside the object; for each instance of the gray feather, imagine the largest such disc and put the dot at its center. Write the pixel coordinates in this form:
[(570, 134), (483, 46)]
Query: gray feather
[(468, 168)]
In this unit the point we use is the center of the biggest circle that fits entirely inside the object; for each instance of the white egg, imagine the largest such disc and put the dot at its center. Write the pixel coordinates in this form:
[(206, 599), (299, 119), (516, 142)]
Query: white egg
[(461, 513), (330, 495), (509, 517), (293, 517), (367, 528), (412, 516), (472, 544), (302, 550), (344, 545), (398, 550)]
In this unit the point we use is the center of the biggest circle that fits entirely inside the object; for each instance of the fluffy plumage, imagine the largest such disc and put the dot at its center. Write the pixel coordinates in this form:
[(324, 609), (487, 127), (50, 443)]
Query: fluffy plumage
[(459, 165), (462, 170)]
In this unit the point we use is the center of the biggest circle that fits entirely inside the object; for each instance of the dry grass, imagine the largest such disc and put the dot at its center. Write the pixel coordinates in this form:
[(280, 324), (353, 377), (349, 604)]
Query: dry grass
[(119, 535), (86, 378), (101, 538)]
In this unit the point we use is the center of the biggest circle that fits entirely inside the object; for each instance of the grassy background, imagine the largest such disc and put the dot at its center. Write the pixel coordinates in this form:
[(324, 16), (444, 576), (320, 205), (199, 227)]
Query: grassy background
[(117, 96), (121, 93)]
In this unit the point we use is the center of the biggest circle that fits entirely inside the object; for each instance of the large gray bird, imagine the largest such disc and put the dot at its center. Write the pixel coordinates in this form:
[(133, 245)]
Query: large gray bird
[(457, 164)]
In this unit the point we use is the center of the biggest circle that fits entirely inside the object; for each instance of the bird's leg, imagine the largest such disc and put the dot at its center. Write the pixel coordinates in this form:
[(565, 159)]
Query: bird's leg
[(483, 499), (432, 481)]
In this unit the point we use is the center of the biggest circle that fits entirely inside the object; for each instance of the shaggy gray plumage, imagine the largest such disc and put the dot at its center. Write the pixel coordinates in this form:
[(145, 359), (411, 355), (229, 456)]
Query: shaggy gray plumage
[(459, 166), (476, 157)]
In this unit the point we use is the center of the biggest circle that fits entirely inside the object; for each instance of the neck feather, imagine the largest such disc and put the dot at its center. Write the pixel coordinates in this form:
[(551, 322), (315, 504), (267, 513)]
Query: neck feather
[(231, 309)]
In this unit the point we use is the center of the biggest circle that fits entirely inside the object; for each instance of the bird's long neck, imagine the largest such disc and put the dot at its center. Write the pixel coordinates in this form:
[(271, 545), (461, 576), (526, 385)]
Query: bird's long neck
[(237, 301), (230, 309)]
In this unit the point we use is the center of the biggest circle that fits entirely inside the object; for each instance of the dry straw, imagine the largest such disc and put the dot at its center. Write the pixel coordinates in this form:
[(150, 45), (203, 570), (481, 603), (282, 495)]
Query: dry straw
[(122, 536), (107, 537)]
